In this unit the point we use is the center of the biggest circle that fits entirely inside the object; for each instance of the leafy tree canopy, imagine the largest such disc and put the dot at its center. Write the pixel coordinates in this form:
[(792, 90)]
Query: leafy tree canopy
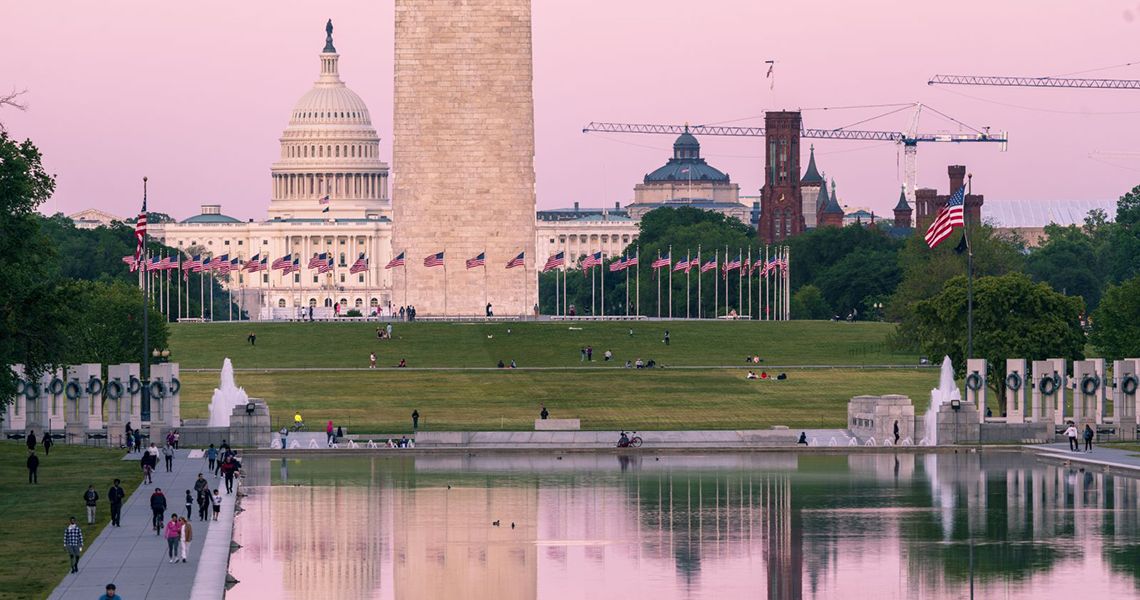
[(1115, 326)]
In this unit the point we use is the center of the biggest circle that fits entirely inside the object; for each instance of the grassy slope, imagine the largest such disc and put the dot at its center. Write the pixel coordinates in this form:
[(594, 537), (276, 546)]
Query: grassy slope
[(33, 517), (382, 400), (532, 344)]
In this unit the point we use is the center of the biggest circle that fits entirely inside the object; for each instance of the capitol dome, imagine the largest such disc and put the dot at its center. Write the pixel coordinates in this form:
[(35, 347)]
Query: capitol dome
[(329, 167)]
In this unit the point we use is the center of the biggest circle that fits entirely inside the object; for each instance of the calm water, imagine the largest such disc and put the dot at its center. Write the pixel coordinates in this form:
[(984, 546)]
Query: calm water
[(703, 527)]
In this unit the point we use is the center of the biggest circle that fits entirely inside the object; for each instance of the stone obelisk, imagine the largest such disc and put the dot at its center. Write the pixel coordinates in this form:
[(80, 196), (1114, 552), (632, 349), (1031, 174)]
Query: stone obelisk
[(463, 155)]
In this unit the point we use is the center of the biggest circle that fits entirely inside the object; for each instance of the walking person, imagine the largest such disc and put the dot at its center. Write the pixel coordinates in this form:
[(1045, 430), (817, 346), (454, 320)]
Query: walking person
[(115, 496), (1071, 433), (589, 354), (184, 539), (147, 461), (896, 433), (388, 330), (33, 468), (168, 456), (203, 504), (1088, 435), (371, 360), (157, 509), (666, 340), (31, 440), (188, 501), (138, 440), (47, 443), (216, 504), (415, 420), (129, 437), (90, 498), (228, 468), (173, 533), (111, 595), (73, 542), (329, 433), (212, 459)]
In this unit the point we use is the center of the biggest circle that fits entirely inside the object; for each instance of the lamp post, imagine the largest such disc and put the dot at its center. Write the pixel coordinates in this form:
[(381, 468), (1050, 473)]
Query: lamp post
[(878, 306), (956, 405)]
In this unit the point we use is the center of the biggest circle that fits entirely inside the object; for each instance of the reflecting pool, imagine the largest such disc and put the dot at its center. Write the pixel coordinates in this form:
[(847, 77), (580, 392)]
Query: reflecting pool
[(716, 526)]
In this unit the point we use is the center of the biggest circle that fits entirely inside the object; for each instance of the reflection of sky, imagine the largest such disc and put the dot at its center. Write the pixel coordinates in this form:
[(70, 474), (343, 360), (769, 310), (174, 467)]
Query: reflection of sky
[(865, 526)]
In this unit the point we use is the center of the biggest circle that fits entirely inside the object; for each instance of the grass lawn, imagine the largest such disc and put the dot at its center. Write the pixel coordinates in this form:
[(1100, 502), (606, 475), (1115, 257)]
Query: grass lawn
[(382, 400), (546, 344), (33, 517)]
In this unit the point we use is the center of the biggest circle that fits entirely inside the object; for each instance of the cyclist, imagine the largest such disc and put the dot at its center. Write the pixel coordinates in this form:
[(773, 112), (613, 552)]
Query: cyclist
[(298, 423), (623, 441)]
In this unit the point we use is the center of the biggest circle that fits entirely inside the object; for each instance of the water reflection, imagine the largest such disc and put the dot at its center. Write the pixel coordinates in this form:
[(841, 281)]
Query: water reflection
[(717, 526)]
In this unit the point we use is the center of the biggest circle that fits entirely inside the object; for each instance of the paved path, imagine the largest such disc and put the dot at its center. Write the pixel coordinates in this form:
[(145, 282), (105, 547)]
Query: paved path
[(134, 558), (1100, 455)]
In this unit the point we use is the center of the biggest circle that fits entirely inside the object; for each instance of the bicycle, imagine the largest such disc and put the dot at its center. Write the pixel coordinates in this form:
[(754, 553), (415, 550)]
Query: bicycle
[(634, 441)]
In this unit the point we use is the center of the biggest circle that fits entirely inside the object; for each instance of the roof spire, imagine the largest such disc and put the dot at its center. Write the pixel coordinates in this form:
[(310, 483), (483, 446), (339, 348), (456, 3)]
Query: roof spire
[(902, 204), (328, 38), (811, 175)]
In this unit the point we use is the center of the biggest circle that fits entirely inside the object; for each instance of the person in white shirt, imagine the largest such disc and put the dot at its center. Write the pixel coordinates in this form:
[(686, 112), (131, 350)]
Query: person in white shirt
[(1071, 433)]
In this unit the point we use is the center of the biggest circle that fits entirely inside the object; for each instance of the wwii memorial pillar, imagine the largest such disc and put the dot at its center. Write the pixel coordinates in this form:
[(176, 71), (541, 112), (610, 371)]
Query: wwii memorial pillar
[(463, 154)]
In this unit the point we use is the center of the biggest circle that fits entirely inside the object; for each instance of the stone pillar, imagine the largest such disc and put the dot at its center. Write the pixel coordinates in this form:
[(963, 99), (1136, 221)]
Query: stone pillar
[(1015, 399), (1086, 385), (1044, 406), (1124, 373), (977, 366), (52, 386), (1101, 399), (77, 403), (125, 408), (167, 410), (15, 412), (35, 403), (1059, 410)]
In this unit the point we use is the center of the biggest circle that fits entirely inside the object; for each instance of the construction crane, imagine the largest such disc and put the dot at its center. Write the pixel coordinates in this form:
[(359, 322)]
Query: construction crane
[(909, 139), (1038, 82)]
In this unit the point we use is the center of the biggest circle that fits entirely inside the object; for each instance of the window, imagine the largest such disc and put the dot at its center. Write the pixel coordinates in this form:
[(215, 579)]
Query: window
[(374, 302), (328, 302), (240, 242), (312, 301), (227, 242), (344, 301), (361, 278), (359, 302), (264, 242), (297, 278), (210, 243), (342, 277), (314, 279), (265, 278), (281, 303)]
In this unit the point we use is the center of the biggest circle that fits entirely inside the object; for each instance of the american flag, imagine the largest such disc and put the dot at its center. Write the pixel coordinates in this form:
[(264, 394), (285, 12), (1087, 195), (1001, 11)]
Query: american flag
[(140, 232), (283, 263), (555, 261), (592, 260), (433, 260), (201, 264), (192, 263), (398, 261), (617, 265), (631, 262), (949, 217), (235, 265), (694, 263), (663, 261), (326, 266), (478, 261), (682, 265), (296, 267), (221, 264), (708, 266), (360, 266), (324, 200), (130, 260), (517, 261), (254, 263), (155, 264), (732, 264), (316, 260)]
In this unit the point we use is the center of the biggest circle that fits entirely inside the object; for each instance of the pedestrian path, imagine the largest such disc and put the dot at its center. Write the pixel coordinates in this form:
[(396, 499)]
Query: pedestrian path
[(135, 559), (1100, 455)]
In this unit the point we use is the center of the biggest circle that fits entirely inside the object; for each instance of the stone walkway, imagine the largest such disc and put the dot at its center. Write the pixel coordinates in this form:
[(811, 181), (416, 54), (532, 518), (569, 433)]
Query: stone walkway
[(134, 558), (1100, 455)]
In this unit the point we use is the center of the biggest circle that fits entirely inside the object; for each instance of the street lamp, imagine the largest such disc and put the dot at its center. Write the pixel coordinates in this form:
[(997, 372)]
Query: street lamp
[(878, 306), (160, 356)]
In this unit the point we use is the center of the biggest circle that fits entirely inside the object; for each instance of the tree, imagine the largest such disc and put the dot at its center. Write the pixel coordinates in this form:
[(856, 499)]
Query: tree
[(1115, 328), (106, 327), (1067, 261), (858, 276), (1013, 318), (808, 303), (31, 331)]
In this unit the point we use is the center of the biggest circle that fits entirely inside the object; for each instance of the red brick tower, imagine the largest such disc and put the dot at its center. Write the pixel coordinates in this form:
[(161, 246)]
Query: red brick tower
[(927, 201), (781, 207), (902, 211)]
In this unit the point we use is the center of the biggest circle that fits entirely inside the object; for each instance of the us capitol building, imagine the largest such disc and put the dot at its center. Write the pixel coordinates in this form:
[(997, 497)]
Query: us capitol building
[(329, 194)]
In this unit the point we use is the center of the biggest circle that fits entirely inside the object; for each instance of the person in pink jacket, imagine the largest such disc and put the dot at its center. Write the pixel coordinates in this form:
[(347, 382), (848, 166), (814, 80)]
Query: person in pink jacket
[(173, 533)]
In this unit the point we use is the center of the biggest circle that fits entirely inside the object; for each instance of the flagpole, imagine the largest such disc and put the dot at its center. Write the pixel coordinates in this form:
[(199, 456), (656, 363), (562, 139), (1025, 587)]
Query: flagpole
[(748, 282), (655, 271), (145, 371), (593, 297), (444, 282), (637, 280), (767, 286), (969, 271), (211, 295), (670, 282), (739, 290), (700, 271), (178, 287), (485, 283), (626, 269), (726, 269), (716, 282), (201, 292), (602, 282)]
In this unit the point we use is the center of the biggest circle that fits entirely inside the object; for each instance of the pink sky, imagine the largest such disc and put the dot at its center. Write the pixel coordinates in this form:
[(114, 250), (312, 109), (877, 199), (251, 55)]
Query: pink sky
[(196, 95)]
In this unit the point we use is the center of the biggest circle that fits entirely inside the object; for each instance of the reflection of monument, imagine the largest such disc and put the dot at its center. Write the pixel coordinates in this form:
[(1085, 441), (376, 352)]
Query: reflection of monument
[(445, 545), (463, 146)]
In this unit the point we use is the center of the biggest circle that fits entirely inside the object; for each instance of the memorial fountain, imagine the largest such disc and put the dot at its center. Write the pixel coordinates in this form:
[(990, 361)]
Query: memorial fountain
[(227, 396), (946, 392)]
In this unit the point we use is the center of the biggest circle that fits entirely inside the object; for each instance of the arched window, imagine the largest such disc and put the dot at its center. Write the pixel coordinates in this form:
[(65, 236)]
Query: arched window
[(338, 151), (328, 303), (344, 301), (281, 303), (374, 302), (312, 301), (359, 302), (352, 152)]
